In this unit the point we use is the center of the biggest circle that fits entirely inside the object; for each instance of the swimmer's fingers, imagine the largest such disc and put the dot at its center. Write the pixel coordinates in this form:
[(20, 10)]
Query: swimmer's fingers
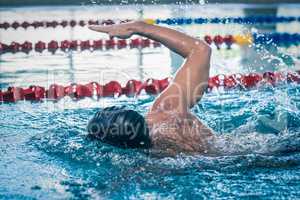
[(120, 31), (101, 29)]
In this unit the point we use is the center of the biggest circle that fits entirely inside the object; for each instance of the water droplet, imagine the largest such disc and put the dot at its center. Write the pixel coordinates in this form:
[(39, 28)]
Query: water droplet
[(201, 2)]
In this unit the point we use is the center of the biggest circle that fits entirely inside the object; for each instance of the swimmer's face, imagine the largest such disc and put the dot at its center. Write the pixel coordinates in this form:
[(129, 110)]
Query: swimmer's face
[(120, 127)]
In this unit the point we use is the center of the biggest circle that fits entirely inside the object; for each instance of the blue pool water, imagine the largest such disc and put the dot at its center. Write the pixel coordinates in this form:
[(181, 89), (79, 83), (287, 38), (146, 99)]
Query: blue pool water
[(44, 151)]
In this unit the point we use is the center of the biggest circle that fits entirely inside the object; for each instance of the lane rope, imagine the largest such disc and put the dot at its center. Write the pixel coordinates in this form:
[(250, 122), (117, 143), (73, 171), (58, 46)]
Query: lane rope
[(135, 87), (263, 19), (280, 39), (67, 45)]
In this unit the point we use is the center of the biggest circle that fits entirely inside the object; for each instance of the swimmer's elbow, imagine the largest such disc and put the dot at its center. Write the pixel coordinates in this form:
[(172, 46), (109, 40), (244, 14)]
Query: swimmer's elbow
[(201, 55), (202, 48)]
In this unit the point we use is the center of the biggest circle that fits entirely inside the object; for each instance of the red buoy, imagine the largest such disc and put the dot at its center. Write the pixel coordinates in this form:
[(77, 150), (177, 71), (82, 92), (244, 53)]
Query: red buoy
[(64, 23), (74, 45), (85, 45), (15, 25), (64, 45), (208, 39), (108, 22), (53, 46), (55, 92), (52, 24), (97, 44), (95, 88), (1, 96), (163, 83), (156, 44), (293, 77), (78, 91), (81, 23), (25, 25), (40, 46), (112, 88), (92, 22), (5, 25), (132, 87), (218, 40), (34, 93), (73, 23), (269, 77), (14, 47), (152, 86), (26, 46), (279, 76), (228, 40), (145, 43), (3, 47), (110, 44), (37, 24), (121, 44), (13, 94), (134, 43), (214, 82), (250, 80), (230, 82)]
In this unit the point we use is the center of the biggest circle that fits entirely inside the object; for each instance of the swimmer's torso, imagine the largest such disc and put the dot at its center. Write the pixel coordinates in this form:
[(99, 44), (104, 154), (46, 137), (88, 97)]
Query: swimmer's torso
[(173, 133)]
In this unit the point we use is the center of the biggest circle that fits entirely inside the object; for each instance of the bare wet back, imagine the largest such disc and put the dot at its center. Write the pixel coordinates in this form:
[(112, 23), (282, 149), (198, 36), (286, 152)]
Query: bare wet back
[(173, 133)]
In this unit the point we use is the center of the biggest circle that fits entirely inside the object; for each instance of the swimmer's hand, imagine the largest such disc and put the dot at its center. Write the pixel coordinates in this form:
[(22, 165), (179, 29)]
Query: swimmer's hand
[(124, 31)]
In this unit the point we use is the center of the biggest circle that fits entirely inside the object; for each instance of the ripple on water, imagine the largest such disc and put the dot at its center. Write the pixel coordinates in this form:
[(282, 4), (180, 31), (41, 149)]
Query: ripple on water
[(255, 160)]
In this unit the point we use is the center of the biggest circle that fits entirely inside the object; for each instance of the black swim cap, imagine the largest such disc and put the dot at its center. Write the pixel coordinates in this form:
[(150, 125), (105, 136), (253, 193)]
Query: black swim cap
[(120, 127)]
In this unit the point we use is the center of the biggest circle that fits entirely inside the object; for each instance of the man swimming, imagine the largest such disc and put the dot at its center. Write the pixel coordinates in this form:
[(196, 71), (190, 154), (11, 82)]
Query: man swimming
[(169, 127)]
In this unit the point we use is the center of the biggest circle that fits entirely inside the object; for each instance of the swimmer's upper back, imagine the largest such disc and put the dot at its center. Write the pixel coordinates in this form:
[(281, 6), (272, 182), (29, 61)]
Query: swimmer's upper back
[(173, 133)]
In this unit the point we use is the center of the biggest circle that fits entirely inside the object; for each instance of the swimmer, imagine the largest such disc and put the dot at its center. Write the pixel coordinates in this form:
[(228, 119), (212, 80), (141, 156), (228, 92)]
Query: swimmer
[(169, 127)]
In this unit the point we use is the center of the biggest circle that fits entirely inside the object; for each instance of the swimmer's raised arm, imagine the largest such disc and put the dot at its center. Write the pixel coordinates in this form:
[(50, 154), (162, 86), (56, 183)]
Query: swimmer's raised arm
[(191, 78)]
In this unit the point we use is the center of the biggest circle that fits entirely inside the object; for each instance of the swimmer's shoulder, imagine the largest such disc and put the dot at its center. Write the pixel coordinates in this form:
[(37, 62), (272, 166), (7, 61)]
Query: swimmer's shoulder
[(157, 116), (173, 133)]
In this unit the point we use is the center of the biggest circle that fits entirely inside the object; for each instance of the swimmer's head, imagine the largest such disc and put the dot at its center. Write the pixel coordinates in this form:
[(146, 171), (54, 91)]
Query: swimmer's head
[(120, 127)]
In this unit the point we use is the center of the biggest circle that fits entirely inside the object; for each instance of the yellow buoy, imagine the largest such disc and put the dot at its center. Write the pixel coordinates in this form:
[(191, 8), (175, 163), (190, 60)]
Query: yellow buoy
[(243, 39), (149, 21)]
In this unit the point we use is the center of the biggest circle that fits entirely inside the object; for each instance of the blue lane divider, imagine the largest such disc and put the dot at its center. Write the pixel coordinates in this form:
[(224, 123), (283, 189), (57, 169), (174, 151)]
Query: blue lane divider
[(237, 20), (170, 21), (280, 39)]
